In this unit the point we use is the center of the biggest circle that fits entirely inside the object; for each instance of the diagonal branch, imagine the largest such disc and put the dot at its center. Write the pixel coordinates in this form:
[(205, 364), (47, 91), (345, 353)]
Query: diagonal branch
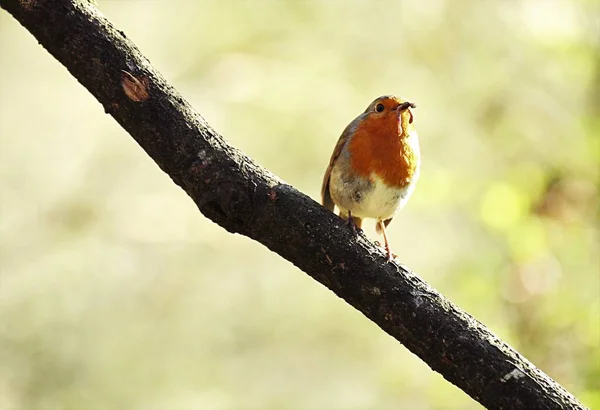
[(236, 193)]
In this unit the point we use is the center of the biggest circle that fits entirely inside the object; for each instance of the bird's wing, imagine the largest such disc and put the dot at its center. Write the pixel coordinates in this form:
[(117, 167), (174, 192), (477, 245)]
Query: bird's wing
[(325, 194)]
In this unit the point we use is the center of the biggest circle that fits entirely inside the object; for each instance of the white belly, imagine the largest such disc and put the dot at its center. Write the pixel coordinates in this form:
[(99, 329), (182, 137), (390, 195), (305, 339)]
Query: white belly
[(383, 202), (370, 198)]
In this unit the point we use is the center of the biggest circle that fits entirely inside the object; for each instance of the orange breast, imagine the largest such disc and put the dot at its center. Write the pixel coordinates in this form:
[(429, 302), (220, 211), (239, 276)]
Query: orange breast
[(377, 147)]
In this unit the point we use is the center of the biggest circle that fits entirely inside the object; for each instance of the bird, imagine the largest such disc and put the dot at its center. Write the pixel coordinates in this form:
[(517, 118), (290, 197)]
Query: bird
[(375, 165)]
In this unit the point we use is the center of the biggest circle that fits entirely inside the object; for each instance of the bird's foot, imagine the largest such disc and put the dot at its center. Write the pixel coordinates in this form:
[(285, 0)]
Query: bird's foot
[(391, 256), (353, 226)]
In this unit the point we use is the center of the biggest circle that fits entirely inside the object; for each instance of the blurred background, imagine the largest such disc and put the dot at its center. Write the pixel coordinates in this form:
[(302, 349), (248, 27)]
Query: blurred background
[(116, 293)]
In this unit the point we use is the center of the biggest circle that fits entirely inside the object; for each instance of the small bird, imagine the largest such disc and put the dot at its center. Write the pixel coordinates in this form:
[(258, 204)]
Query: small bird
[(375, 165)]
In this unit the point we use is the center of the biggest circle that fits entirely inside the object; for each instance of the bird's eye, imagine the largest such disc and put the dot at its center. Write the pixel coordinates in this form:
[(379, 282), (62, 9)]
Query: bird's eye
[(380, 107)]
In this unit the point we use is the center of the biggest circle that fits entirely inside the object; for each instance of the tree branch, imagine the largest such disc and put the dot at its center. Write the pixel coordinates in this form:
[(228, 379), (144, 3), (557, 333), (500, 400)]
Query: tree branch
[(236, 193)]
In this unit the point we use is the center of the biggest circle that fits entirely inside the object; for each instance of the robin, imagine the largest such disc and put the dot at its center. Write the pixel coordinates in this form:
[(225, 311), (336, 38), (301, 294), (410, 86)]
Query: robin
[(375, 165)]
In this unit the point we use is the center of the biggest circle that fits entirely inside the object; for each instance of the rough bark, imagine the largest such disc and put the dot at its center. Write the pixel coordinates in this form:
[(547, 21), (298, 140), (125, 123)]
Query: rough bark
[(236, 193)]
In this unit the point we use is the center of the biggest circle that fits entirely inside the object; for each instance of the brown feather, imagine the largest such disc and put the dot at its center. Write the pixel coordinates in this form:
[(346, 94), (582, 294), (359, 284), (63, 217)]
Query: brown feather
[(325, 194)]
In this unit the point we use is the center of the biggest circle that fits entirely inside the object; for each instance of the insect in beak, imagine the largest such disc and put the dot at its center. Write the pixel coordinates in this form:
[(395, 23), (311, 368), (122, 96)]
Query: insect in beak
[(403, 107), (406, 105)]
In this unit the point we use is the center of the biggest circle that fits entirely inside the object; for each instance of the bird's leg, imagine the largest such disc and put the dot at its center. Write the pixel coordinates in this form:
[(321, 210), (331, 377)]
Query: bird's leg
[(351, 223), (385, 239)]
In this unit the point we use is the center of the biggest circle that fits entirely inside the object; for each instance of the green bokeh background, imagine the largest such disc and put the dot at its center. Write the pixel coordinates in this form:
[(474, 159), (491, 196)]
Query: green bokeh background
[(116, 293)]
